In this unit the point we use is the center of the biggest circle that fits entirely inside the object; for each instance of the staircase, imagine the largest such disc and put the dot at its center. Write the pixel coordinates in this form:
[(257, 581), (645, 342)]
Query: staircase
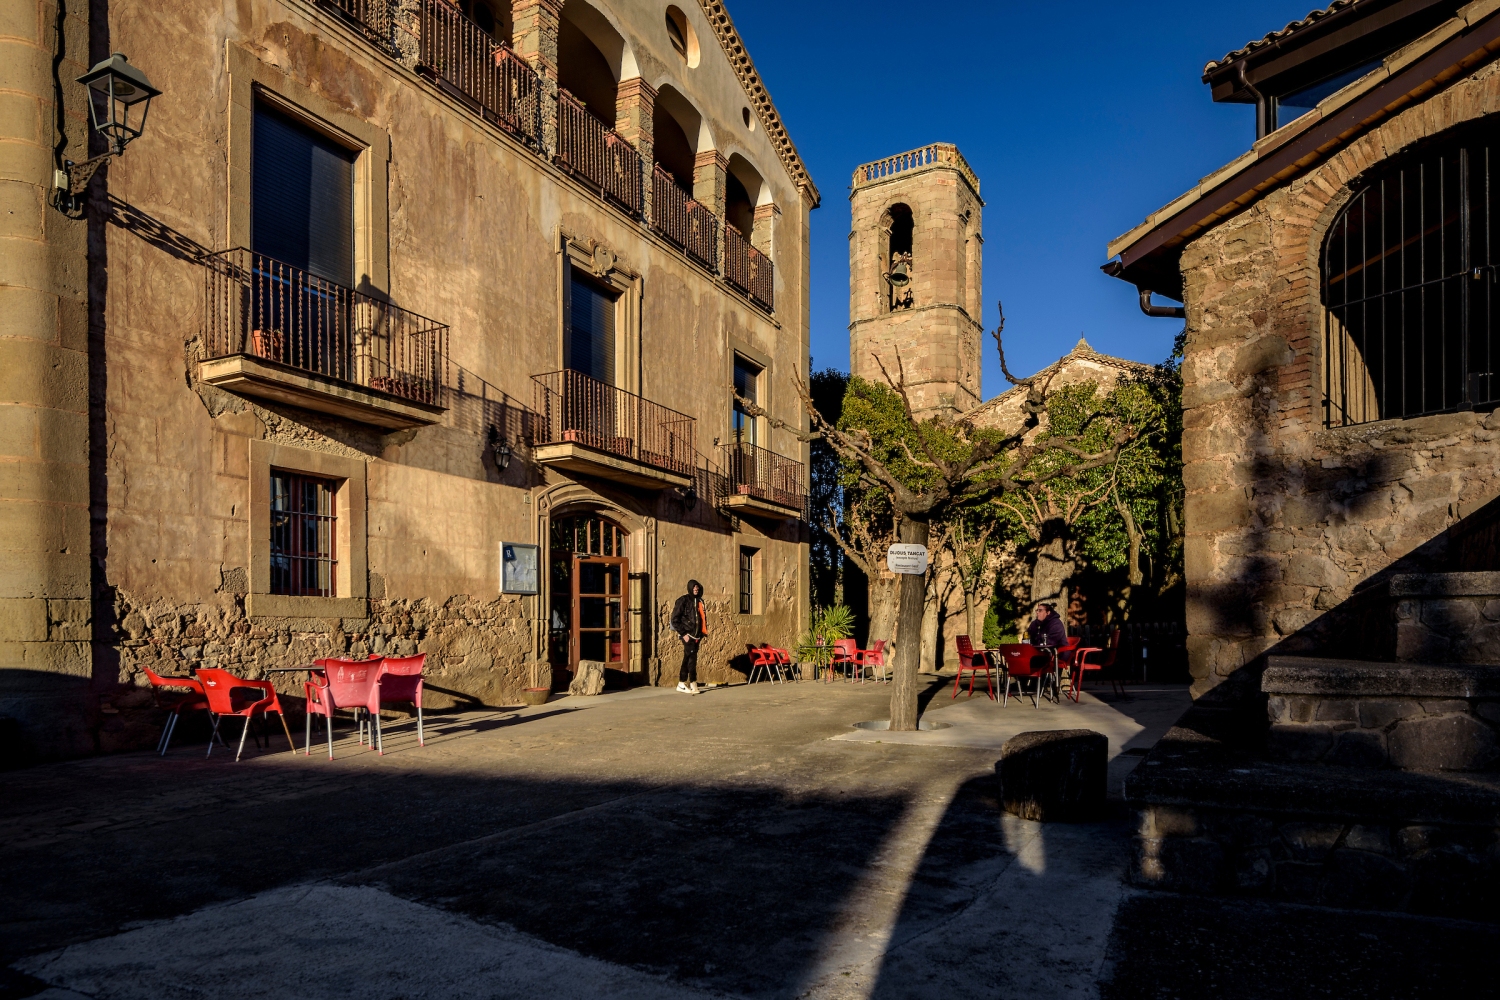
[(1370, 782)]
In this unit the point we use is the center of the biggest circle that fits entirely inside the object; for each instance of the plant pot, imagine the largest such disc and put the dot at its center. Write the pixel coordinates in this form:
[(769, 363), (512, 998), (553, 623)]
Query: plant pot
[(535, 696)]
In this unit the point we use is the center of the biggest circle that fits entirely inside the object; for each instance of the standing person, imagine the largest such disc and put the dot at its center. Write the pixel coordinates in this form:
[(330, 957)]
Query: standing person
[(690, 622)]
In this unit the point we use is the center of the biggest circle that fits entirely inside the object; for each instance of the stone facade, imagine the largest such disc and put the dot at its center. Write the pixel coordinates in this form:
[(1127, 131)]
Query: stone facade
[(1286, 518), (130, 525), (938, 334)]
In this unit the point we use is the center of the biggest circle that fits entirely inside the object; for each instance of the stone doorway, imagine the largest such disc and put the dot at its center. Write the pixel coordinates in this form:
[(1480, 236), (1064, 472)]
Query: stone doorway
[(589, 617)]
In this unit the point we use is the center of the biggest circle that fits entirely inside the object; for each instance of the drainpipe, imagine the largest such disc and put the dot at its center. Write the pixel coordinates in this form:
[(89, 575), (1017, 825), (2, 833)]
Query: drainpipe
[(1168, 312), (1263, 124)]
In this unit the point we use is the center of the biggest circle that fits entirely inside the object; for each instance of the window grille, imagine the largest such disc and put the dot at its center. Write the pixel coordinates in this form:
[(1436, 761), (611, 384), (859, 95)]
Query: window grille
[(1409, 286), (303, 557)]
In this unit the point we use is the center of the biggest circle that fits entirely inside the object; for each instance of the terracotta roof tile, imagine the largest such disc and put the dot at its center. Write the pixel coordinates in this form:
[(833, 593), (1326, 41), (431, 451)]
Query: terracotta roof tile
[(1276, 36)]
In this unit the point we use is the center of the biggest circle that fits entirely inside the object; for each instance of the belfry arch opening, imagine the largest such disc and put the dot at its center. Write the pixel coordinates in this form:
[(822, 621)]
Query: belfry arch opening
[(897, 262)]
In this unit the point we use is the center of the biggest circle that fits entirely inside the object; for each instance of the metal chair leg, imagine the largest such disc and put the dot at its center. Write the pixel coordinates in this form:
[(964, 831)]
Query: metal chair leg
[(215, 735), (243, 733), (421, 740), (307, 738), (377, 737)]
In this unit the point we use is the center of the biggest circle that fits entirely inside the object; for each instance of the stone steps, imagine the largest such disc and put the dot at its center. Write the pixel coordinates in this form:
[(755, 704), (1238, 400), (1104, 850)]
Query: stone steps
[(1407, 716)]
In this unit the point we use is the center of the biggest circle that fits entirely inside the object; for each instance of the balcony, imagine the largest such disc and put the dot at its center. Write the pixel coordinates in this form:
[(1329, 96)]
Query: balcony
[(763, 483), (485, 74), (585, 426), (749, 270), (273, 331), (593, 152), (684, 221)]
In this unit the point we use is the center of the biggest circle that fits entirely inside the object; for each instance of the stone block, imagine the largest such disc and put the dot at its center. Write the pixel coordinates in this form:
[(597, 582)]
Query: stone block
[(1445, 743), (1058, 775), (1379, 714), (1299, 742), (1358, 748), (1365, 880), (1165, 821), (23, 619), (1310, 841), (588, 679), (1337, 710), (1178, 864), (1222, 511)]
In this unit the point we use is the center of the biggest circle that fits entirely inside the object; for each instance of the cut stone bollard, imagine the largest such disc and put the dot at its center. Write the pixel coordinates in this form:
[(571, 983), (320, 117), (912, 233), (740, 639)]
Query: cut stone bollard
[(1054, 776), (588, 679)]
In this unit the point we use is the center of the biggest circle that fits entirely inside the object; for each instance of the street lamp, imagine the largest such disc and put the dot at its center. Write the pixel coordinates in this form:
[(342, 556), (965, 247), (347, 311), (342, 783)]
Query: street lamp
[(500, 448), (119, 98)]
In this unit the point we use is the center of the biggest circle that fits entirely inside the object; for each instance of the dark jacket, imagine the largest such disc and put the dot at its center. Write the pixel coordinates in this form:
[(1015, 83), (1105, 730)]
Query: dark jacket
[(685, 619), (1050, 632)]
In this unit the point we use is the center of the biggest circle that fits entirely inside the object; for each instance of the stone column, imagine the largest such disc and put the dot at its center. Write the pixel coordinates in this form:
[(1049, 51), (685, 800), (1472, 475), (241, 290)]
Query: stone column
[(710, 177), (763, 235), (45, 621), (536, 41), (635, 121)]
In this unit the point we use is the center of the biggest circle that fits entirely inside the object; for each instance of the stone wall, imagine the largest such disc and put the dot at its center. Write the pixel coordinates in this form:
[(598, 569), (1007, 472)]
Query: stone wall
[(1285, 518), (467, 228)]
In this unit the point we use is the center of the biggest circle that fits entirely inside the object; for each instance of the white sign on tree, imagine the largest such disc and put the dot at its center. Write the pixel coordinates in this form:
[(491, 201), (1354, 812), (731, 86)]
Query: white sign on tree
[(906, 558)]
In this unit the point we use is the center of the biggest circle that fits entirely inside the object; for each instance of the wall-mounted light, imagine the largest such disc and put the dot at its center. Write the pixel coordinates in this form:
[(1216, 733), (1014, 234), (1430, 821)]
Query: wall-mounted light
[(119, 98), (500, 448), (688, 495)]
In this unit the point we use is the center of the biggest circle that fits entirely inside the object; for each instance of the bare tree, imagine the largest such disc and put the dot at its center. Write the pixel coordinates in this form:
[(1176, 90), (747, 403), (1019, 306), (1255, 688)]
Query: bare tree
[(973, 466)]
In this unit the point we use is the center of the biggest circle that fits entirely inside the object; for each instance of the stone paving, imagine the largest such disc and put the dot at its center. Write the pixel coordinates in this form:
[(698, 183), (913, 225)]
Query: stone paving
[(643, 844)]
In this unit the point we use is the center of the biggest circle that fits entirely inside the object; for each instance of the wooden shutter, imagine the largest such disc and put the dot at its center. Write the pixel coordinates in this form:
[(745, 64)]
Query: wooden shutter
[(302, 197)]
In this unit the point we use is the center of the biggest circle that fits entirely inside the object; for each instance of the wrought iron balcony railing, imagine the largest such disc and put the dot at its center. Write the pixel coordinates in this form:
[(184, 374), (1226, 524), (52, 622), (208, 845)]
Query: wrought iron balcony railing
[(592, 151), (260, 307), (372, 16), (683, 220), (461, 56), (573, 408), (749, 270), (765, 475)]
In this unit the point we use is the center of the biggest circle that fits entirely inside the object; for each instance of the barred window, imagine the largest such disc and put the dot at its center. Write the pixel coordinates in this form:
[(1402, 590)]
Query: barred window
[(1409, 286), (747, 581), (303, 559)]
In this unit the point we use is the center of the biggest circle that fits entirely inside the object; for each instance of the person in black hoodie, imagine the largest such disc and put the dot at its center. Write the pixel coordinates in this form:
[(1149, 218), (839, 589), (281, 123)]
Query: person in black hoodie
[(690, 621), (1048, 629)]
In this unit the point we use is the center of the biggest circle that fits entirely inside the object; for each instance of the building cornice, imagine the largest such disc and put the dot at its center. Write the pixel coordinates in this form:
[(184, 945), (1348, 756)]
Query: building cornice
[(760, 98)]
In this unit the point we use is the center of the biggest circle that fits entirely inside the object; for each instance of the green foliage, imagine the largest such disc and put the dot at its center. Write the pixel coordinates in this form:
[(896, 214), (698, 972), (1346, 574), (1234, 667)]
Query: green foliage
[(815, 646), (1000, 619), (877, 410), (825, 489)]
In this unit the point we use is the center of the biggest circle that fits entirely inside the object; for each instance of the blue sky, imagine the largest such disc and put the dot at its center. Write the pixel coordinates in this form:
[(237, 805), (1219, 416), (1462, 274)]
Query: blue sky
[(1079, 119)]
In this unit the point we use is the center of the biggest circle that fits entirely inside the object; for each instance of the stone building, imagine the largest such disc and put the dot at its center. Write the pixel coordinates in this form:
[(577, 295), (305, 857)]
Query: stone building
[(385, 293), (914, 275), (1340, 456)]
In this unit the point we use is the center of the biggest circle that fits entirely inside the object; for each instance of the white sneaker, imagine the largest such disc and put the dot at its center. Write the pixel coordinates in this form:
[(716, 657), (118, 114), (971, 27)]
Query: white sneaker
[(683, 688), (693, 689)]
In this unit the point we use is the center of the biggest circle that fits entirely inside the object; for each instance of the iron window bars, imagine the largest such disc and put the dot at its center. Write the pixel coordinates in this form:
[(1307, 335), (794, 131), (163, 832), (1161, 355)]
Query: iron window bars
[(1409, 286), (304, 557)]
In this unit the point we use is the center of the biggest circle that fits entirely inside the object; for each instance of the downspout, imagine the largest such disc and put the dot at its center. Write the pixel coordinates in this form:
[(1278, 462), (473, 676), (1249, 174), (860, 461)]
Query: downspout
[(1166, 312), (1262, 106)]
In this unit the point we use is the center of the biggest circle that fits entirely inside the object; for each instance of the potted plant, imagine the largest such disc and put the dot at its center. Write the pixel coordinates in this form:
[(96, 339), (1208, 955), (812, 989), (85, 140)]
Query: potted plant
[(537, 694), (815, 646)]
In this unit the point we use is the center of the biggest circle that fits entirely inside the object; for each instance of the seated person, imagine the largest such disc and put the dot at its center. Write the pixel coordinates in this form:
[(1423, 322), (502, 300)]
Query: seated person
[(1047, 629)]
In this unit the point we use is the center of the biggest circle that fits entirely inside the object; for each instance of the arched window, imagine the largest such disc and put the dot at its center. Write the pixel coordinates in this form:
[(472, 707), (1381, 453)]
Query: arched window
[(1409, 285), (898, 257), (588, 50)]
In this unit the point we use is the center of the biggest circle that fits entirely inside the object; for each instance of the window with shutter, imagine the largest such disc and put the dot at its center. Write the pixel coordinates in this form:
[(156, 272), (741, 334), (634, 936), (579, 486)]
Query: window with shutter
[(590, 343), (302, 197)]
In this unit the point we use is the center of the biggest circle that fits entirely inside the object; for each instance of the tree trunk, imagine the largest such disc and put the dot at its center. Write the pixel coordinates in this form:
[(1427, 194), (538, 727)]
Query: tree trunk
[(913, 593), (969, 601), (1133, 533), (882, 603)]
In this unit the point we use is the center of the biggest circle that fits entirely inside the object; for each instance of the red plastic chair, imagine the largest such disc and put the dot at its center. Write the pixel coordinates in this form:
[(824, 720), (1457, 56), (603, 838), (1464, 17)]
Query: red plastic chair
[(764, 660), (189, 698), (1106, 662), (784, 661), (972, 661), (1023, 662), (875, 657), (219, 687), (400, 679), (846, 656), (344, 684)]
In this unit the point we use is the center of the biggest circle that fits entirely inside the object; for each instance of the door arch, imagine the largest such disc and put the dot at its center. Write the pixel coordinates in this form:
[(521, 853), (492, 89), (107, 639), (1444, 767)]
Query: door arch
[(590, 601)]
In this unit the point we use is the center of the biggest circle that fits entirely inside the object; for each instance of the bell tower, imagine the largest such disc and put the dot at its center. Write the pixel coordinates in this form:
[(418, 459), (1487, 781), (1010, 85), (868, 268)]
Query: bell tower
[(914, 276)]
